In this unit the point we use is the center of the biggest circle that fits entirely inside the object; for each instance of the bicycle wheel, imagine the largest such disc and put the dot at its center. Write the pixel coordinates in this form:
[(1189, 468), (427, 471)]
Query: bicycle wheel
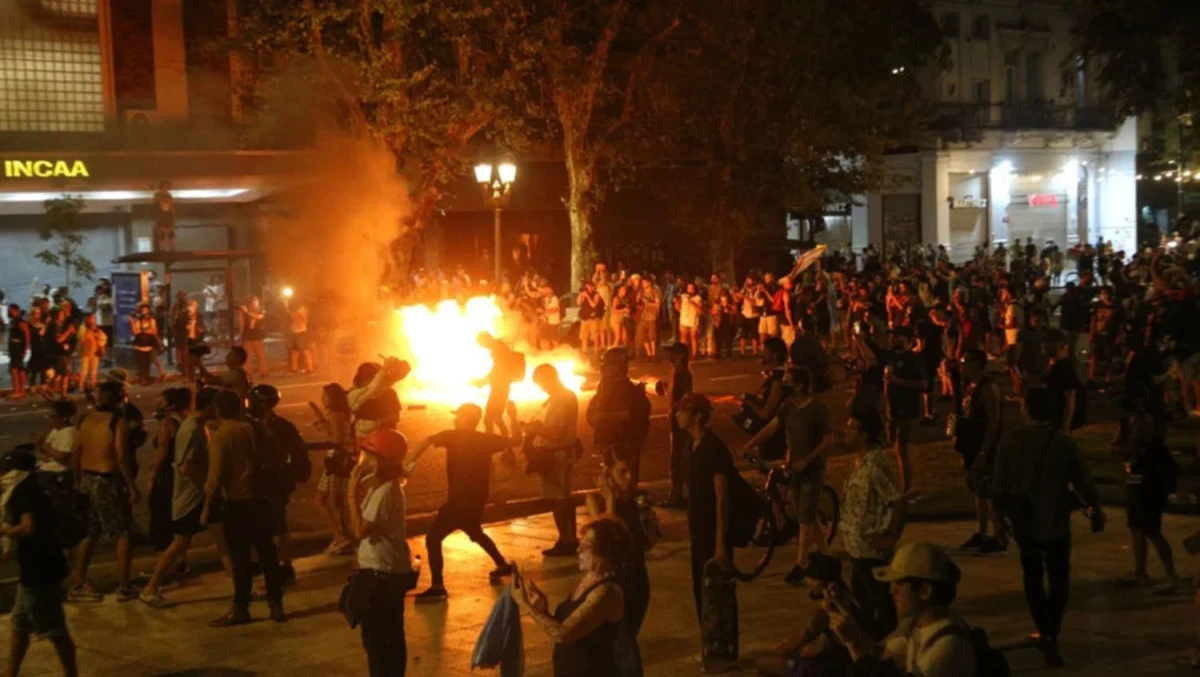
[(829, 511), (764, 530)]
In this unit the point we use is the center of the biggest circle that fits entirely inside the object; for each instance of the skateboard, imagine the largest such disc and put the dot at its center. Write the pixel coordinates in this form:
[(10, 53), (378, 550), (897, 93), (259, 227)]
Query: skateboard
[(718, 618)]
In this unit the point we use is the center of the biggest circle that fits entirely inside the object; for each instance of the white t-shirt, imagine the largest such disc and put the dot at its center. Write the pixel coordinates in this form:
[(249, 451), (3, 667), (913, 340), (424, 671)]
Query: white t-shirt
[(385, 507), (61, 440), (950, 656), (551, 308), (689, 310)]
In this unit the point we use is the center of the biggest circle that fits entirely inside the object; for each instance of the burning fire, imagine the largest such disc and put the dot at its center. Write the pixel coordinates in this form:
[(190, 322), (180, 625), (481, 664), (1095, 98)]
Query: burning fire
[(448, 362)]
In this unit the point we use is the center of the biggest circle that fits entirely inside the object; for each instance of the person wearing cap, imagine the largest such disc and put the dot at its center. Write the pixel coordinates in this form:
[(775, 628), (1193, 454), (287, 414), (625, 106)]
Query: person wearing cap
[(711, 467), (377, 512), (931, 639), (1039, 471), (816, 644), (556, 438), (232, 451), (38, 607), (468, 473)]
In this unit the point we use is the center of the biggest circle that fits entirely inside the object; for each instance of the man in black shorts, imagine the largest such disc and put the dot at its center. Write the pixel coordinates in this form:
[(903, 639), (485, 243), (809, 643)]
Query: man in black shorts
[(468, 471), (18, 346), (508, 367)]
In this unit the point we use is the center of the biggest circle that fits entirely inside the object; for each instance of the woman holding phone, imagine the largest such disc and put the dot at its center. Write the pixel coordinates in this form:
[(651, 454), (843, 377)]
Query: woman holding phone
[(584, 626)]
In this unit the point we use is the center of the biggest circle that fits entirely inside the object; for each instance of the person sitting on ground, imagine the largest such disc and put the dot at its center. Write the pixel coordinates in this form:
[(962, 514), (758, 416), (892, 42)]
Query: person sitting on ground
[(931, 639), (816, 645)]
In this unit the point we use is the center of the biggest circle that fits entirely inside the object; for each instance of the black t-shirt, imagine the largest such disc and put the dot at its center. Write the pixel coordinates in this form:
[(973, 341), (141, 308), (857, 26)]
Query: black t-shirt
[(1106, 320), (591, 306), (1072, 310), (469, 465), (39, 556), (905, 401), (1061, 380), (931, 341), (709, 458)]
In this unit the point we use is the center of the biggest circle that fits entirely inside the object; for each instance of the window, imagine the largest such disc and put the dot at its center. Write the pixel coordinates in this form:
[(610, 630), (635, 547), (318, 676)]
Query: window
[(950, 25), (1033, 78), (50, 73), (981, 27), (982, 92)]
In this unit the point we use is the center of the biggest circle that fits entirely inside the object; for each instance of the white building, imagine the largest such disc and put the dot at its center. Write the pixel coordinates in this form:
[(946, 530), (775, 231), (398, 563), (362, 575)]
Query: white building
[(1016, 150)]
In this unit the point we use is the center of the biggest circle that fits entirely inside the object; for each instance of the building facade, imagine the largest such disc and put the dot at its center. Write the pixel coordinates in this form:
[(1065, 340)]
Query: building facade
[(1017, 148), (106, 100)]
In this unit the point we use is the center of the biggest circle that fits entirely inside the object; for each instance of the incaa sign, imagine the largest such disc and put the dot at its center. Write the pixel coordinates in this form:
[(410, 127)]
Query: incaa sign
[(44, 169)]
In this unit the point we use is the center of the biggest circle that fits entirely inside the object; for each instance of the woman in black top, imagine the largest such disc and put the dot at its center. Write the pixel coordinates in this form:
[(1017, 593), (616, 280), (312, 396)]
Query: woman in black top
[(585, 626), (618, 499)]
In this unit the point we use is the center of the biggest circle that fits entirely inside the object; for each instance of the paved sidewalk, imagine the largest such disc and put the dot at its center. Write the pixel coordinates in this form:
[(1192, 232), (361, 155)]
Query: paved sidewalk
[(1109, 631)]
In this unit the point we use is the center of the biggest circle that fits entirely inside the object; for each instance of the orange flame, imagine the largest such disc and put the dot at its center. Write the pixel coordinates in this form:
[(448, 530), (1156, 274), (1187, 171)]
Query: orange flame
[(448, 362)]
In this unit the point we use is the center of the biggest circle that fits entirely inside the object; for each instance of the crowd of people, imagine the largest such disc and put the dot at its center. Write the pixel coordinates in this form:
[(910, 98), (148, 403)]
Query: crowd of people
[(921, 338)]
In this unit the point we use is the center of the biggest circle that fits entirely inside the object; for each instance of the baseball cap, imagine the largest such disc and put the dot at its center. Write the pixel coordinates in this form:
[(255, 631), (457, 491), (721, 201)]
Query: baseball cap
[(920, 560)]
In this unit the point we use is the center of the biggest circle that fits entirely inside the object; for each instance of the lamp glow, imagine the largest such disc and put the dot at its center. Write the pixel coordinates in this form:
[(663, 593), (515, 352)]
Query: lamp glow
[(508, 172), (483, 172)]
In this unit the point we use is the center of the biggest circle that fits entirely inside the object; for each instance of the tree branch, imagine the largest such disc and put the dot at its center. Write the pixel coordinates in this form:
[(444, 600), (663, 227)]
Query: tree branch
[(641, 66), (317, 44), (585, 101)]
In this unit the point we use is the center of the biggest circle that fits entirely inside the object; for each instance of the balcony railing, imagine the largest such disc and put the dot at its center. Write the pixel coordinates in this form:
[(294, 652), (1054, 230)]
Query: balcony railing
[(1021, 116)]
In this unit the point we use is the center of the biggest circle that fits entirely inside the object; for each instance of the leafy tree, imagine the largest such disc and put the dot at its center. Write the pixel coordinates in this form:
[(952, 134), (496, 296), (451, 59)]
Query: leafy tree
[(430, 79), (1142, 53), (63, 228), (785, 106)]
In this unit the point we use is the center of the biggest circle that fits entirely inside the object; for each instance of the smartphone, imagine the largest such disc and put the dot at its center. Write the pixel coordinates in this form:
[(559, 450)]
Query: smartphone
[(857, 327)]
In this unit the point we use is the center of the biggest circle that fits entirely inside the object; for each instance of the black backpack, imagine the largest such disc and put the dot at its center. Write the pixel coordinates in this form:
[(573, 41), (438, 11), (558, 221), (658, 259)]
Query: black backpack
[(745, 509), (272, 471), (989, 661)]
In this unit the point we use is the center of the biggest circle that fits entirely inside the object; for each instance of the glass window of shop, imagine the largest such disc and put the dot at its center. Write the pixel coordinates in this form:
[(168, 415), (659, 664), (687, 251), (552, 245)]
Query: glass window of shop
[(969, 225)]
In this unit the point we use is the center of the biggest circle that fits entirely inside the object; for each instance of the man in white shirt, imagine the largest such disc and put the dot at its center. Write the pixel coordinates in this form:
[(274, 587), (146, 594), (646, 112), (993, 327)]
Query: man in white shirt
[(931, 639), (55, 449)]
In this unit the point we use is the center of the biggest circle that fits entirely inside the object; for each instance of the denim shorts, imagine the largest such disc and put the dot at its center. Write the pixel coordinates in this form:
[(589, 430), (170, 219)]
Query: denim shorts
[(39, 610)]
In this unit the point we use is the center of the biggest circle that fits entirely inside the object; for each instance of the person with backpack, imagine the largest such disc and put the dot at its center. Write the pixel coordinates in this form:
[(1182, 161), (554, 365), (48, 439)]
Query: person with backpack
[(931, 640), (29, 518), (373, 402), (236, 479), (976, 433), (283, 465), (1039, 479), (619, 413)]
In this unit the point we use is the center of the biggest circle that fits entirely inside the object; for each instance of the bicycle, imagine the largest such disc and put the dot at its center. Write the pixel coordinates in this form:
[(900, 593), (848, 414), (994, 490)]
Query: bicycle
[(776, 493)]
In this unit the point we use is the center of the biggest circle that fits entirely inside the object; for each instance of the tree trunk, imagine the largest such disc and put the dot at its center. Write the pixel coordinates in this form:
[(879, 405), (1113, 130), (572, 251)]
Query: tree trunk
[(723, 250), (580, 207)]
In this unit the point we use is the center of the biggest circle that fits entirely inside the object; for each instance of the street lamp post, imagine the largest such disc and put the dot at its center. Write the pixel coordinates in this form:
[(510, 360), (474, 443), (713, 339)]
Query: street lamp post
[(497, 186)]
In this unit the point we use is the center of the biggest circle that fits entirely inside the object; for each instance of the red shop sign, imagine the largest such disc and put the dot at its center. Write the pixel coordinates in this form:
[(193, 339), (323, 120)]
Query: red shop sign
[(1043, 200)]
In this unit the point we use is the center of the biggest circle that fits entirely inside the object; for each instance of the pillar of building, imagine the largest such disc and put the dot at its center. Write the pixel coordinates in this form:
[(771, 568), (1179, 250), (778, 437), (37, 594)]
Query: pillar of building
[(170, 61)]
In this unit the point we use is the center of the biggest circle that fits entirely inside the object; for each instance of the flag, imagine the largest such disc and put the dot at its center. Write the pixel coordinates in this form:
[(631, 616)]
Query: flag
[(805, 260)]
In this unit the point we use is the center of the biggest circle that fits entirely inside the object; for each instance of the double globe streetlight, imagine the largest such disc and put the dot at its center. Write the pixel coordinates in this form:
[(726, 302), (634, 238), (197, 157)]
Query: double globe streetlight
[(497, 186)]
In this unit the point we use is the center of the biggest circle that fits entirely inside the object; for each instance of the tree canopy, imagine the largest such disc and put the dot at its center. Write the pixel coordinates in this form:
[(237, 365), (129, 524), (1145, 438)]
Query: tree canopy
[(1142, 52)]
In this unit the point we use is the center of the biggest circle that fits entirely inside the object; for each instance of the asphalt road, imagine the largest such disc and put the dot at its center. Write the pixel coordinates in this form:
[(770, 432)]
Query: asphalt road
[(721, 380)]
